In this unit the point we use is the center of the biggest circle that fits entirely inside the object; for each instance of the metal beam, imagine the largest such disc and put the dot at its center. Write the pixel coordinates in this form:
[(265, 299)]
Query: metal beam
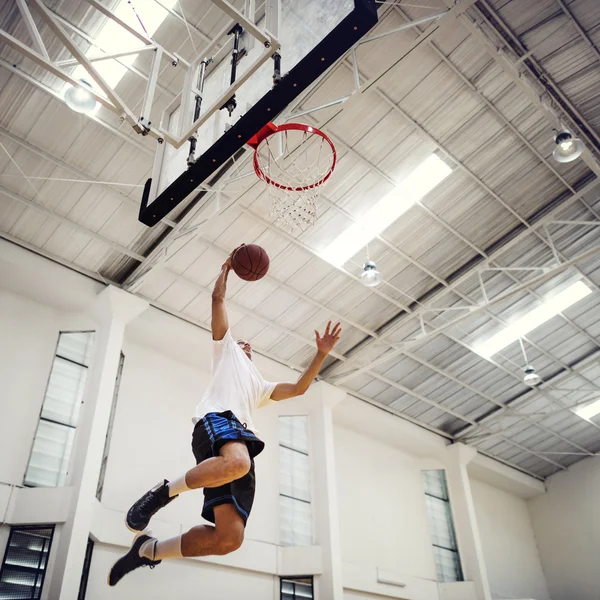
[(184, 21), (71, 62), (34, 34), (455, 10), (114, 130), (408, 25), (113, 103), (543, 390), (72, 224), (535, 96), (481, 307), (54, 258), (77, 172), (111, 15), (57, 71), (67, 41), (471, 174), (586, 38), (538, 73), (83, 35)]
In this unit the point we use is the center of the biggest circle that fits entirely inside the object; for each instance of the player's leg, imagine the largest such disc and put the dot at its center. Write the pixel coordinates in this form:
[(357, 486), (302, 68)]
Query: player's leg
[(225, 537), (227, 506), (232, 463)]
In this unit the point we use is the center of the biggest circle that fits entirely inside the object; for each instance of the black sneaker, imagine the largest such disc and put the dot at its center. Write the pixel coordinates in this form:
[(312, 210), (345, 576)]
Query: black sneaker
[(143, 510), (131, 561)]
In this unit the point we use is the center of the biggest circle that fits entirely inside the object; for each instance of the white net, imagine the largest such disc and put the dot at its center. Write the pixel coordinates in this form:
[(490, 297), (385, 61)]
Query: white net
[(294, 164)]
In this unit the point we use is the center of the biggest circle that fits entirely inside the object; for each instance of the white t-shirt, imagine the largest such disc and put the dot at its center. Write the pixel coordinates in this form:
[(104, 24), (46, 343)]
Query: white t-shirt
[(236, 384)]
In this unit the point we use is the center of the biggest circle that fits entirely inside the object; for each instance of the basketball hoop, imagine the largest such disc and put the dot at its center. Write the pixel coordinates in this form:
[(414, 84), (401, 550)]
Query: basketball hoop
[(294, 160)]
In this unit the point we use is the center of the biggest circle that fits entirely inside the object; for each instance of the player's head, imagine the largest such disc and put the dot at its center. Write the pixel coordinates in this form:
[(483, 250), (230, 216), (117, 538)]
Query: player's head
[(246, 348)]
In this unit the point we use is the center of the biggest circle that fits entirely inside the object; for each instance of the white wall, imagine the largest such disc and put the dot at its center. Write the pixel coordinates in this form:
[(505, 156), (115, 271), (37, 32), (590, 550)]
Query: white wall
[(180, 579), (383, 522), (29, 333), (566, 522), (511, 555)]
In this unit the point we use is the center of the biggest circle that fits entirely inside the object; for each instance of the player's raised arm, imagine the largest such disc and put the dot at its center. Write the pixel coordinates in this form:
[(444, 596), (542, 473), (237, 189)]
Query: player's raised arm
[(325, 345), (219, 323)]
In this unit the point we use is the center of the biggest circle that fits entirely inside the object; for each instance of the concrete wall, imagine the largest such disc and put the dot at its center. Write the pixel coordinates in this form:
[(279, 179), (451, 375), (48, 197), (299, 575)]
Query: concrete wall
[(508, 544), (566, 522), (29, 333), (383, 522)]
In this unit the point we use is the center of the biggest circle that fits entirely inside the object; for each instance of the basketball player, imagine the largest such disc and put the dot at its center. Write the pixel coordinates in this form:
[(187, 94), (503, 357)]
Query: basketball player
[(224, 443)]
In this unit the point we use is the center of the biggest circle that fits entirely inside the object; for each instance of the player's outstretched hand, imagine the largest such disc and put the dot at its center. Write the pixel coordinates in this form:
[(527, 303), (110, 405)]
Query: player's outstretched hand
[(329, 339)]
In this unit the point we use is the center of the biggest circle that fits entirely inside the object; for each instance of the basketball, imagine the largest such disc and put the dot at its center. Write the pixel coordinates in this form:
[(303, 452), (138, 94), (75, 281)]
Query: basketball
[(250, 262)]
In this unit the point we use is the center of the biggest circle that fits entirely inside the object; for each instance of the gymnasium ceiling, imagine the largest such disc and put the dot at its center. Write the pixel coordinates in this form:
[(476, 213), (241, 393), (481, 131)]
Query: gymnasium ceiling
[(507, 228)]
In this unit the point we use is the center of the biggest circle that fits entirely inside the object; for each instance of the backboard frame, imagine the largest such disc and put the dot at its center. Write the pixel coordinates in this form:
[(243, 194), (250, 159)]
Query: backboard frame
[(342, 38)]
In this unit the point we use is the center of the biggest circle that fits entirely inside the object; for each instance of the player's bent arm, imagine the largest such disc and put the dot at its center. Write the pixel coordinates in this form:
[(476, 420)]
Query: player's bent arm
[(325, 345), (283, 391), (219, 323)]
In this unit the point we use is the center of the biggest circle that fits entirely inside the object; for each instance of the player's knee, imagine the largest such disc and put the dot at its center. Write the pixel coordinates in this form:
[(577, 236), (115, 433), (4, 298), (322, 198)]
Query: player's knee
[(231, 540), (238, 466)]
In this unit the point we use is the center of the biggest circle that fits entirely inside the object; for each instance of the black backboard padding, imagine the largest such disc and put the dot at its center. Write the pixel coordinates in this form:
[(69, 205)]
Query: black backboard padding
[(331, 48)]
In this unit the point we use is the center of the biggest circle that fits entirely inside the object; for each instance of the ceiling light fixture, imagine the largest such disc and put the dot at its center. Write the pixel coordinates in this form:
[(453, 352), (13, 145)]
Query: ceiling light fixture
[(589, 410), (533, 319), (567, 148), (79, 99), (531, 378), (370, 276), (432, 171)]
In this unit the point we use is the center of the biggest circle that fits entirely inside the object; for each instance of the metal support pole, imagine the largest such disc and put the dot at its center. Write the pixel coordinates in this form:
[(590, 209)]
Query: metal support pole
[(201, 78), (355, 69), (144, 119), (186, 92), (236, 31), (276, 68)]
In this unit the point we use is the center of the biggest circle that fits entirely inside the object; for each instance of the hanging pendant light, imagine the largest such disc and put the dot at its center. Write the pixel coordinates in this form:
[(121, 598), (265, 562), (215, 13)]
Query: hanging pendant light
[(79, 99), (370, 276), (567, 148)]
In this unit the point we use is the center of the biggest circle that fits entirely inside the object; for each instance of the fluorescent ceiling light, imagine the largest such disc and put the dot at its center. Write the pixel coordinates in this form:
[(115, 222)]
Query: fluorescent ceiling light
[(113, 38), (588, 411), (410, 190), (538, 316)]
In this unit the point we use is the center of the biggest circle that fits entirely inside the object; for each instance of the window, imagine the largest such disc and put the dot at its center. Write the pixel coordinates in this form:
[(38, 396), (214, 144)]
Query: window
[(24, 564), (111, 422), (441, 527), (296, 588), (85, 572), (294, 482), (53, 440)]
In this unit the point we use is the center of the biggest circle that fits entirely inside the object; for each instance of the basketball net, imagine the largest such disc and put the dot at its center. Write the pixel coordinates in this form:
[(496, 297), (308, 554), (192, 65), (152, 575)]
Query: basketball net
[(294, 160)]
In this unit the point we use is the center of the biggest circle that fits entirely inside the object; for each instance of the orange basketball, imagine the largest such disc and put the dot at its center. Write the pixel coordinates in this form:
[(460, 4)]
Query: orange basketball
[(250, 262)]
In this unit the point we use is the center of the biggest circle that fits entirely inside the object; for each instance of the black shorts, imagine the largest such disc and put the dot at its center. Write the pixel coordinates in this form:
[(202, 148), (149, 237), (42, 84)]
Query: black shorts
[(210, 433)]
